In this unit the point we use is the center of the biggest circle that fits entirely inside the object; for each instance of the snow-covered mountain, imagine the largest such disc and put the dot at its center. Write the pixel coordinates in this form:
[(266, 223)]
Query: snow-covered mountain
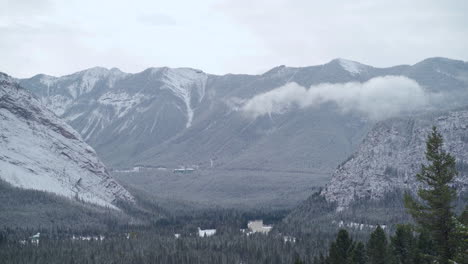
[(390, 156), (39, 151), (165, 117), (121, 114)]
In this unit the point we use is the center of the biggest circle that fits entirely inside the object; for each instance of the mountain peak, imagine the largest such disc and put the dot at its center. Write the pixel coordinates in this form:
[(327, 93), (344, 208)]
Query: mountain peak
[(439, 60), (353, 67), (115, 69), (278, 70), (96, 71)]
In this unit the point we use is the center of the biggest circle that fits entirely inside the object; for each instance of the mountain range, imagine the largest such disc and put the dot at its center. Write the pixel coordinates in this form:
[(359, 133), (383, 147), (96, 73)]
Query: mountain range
[(247, 136)]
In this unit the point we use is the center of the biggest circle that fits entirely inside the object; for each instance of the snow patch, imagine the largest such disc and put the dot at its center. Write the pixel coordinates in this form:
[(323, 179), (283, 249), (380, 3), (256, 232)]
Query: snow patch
[(206, 232), (352, 67), (358, 226)]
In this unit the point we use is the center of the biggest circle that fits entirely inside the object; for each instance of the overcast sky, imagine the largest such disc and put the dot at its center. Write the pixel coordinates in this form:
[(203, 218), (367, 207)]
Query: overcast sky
[(59, 37)]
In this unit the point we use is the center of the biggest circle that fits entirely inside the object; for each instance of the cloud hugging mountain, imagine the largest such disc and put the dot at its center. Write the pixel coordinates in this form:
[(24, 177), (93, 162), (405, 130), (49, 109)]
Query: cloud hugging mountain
[(377, 98)]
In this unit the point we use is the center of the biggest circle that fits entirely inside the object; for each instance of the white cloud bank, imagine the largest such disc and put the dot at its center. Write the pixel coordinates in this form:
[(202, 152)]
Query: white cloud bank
[(378, 98)]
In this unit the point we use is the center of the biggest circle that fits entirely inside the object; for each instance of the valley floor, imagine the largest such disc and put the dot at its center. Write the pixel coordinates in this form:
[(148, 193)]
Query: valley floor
[(233, 188)]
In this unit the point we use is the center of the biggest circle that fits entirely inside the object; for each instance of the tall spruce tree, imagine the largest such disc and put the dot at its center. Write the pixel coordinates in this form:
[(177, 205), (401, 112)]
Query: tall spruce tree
[(377, 248), (403, 245), (358, 256), (340, 250), (434, 213)]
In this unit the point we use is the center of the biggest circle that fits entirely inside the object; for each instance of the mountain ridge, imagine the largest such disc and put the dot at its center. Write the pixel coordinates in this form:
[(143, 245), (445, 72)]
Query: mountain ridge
[(429, 59)]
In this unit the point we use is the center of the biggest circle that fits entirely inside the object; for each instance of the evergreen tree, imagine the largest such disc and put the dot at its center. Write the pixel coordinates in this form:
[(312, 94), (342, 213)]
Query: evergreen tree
[(403, 245), (461, 237), (434, 213), (358, 256), (340, 250), (425, 247), (377, 247)]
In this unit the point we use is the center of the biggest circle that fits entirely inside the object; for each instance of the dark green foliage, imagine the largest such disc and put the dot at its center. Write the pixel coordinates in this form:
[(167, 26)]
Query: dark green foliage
[(149, 246), (298, 261), (425, 248), (377, 250), (460, 237), (358, 256), (403, 245), (320, 259), (340, 250), (434, 213)]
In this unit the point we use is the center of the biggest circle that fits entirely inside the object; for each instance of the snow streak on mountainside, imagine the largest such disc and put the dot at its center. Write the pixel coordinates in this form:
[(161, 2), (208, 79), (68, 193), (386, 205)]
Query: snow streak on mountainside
[(184, 83), (391, 154), (39, 151)]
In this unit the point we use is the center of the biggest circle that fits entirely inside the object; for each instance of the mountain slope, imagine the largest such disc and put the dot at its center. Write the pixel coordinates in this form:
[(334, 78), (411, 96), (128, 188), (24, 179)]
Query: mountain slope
[(41, 152), (367, 189), (25, 208), (390, 156)]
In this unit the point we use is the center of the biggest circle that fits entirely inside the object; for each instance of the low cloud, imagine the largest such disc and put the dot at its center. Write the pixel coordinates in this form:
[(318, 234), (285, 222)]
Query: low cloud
[(378, 98)]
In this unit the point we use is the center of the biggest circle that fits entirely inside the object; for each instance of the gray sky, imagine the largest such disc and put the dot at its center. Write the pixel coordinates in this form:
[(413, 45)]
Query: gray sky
[(225, 36)]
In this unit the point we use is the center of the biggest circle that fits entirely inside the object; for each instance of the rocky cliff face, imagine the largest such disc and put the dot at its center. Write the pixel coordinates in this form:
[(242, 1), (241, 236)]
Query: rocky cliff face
[(40, 151), (390, 156)]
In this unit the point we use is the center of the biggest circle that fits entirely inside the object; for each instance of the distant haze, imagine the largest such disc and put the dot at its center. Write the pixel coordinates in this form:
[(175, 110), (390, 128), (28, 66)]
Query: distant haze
[(378, 98), (224, 36)]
